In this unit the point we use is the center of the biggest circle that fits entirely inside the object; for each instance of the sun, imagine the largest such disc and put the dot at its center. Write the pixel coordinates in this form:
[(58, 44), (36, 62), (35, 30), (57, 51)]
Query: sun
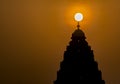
[(78, 17)]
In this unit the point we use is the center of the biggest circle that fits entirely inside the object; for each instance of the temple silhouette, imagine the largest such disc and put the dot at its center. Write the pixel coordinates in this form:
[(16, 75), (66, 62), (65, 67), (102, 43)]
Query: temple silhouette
[(78, 65)]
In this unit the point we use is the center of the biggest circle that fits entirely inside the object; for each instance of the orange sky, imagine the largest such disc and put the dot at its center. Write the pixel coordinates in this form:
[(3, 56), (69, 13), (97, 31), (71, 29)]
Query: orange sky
[(34, 35)]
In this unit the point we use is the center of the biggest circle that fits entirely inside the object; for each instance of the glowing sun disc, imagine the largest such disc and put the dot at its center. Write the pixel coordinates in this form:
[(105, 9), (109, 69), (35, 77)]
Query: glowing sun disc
[(78, 17)]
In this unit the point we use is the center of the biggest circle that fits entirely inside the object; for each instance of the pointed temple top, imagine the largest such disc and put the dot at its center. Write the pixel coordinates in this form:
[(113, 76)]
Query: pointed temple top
[(78, 34)]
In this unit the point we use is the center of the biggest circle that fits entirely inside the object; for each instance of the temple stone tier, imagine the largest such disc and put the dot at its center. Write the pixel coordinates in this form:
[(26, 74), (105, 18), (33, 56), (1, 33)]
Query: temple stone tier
[(78, 65)]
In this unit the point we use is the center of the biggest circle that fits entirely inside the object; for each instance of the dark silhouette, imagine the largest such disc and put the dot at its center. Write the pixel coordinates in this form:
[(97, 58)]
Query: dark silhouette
[(79, 66)]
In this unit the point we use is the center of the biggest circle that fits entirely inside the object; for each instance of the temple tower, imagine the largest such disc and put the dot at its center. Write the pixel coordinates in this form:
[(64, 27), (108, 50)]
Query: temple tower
[(78, 65)]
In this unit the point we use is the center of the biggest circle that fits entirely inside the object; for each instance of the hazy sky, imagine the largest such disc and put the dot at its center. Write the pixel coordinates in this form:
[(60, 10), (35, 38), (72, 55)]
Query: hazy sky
[(34, 35)]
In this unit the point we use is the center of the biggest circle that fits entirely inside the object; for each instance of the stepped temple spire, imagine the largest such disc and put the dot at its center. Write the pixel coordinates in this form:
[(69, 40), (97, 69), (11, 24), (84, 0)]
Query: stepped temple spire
[(78, 65)]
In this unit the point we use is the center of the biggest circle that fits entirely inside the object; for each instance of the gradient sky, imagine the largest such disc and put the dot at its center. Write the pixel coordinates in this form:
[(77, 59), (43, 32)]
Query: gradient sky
[(34, 35)]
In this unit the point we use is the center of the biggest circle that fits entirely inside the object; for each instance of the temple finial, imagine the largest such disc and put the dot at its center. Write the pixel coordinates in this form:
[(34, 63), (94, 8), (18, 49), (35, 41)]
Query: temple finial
[(78, 26)]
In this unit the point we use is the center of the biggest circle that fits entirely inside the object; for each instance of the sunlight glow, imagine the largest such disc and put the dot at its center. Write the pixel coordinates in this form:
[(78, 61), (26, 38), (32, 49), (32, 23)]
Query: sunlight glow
[(78, 17)]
